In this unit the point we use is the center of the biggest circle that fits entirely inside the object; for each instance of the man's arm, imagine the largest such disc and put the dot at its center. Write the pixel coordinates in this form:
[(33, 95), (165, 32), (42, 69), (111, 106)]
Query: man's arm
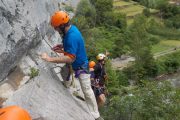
[(63, 59), (58, 48)]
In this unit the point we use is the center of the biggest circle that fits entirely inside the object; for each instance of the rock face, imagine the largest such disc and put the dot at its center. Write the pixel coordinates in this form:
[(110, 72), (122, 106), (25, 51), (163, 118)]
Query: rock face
[(19, 22), (24, 33), (45, 97)]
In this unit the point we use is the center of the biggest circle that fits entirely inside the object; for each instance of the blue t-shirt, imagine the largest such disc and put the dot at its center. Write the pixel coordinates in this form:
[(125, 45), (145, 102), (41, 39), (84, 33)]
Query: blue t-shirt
[(73, 43)]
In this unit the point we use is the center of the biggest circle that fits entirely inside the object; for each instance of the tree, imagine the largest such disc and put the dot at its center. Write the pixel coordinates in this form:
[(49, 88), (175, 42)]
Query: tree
[(169, 11), (173, 22), (121, 45), (100, 39), (144, 63), (146, 12), (115, 19), (102, 7), (87, 10), (150, 101), (81, 22)]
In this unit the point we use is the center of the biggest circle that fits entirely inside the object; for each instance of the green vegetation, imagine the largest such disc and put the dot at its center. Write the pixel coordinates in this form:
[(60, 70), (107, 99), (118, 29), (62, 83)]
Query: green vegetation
[(122, 3), (99, 35), (168, 64), (141, 50), (128, 28), (170, 13), (165, 45), (152, 3), (130, 21), (103, 7), (132, 8), (85, 16), (150, 101), (33, 72), (69, 8), (100, 39), (163, 31)]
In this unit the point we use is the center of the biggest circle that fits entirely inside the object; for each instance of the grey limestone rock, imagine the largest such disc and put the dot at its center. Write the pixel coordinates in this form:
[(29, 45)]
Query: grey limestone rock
[(24, 27)]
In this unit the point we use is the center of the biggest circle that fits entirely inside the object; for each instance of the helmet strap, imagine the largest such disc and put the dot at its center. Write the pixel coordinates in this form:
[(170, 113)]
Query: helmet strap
[(62, 28), (101, 60)]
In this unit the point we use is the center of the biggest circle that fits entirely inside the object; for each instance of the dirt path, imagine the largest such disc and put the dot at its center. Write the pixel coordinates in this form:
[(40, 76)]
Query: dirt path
[(119, 63), (166, 52)]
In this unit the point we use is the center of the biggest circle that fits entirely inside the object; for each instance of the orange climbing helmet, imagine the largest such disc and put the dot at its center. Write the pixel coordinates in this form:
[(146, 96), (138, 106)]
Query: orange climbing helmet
[(14, 113), (92, 64), (59, 18)]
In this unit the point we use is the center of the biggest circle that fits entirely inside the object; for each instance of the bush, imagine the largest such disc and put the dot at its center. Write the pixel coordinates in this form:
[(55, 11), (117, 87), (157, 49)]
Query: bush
[(144, 65), (169, 63), (115, 19), (123, 80), (69, 8), (116, 79), (86, 10), (150, 101), (81, 22), (33, 72), (112, 76), (146, 12), (100, 39), (173, 22), (102, 7), (162, 31), (169, 11), (161, 67), (154, 40)]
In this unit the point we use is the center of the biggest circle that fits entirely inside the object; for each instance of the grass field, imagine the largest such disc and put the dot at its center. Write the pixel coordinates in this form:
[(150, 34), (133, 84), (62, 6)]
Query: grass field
[(130, 21), (165, 45), (121, 3), (131, 9)]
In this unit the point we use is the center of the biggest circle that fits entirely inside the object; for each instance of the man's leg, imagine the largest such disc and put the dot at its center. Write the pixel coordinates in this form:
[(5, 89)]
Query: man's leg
[(89, 94), (101, 100)]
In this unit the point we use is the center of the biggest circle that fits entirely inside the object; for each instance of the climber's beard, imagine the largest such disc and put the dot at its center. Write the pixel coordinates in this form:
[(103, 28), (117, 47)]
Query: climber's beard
[(60, 30)]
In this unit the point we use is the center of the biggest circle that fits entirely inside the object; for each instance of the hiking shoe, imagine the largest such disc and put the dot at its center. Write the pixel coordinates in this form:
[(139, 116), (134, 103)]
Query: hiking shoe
[(99, 118), (66, 83)]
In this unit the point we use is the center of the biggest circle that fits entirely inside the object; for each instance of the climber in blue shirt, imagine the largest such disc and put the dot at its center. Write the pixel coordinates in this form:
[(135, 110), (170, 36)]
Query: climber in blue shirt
[(73, 43), (74, 53)]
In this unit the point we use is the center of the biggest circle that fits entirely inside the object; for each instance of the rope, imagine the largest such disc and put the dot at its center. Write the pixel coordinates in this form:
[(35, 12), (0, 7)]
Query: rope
[(71, 70), (73, 82)]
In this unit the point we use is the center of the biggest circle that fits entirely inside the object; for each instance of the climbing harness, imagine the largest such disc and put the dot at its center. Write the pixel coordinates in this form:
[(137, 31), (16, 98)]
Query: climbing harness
[(75, 93), (70, 66)]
